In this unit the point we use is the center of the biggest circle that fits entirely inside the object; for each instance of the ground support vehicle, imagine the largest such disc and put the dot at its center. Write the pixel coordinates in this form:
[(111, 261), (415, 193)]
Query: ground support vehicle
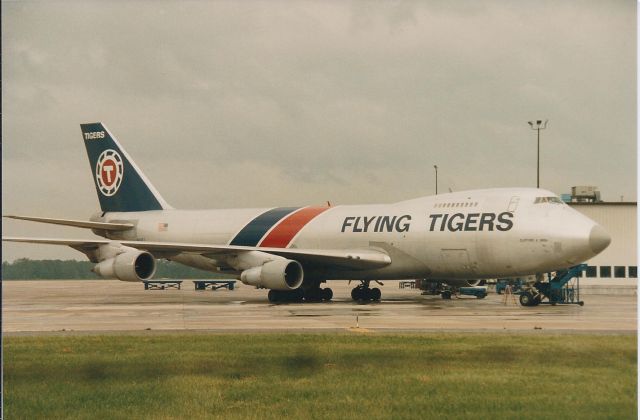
[(556, 289)]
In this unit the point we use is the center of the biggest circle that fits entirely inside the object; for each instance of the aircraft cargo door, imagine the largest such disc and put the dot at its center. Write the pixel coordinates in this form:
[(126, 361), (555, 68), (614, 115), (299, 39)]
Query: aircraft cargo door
[(456, 261)]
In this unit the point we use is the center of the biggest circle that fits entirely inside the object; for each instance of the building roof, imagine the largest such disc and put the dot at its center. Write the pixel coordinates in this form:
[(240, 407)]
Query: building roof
[(602, 203)]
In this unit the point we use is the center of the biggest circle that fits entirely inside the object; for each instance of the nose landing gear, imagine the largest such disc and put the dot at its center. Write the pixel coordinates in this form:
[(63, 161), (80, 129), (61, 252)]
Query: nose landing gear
[(364, 293)]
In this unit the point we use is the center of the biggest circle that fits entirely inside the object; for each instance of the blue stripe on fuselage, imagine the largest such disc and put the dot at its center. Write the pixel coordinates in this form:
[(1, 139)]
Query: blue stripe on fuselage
[(251, 234)]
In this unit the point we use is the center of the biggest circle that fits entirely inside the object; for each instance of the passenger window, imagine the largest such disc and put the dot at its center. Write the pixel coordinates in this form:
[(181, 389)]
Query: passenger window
[(633, 271)]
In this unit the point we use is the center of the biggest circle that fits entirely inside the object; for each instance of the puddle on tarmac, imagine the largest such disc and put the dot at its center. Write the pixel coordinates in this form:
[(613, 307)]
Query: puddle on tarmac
[(430, 305)]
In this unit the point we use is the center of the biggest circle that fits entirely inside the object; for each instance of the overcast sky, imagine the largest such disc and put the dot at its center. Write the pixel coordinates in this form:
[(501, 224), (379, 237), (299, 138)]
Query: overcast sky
[(266, 103)]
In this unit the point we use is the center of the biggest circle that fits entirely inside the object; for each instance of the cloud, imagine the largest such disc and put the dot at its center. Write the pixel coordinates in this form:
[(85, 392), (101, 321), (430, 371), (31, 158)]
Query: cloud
[(231, 104)]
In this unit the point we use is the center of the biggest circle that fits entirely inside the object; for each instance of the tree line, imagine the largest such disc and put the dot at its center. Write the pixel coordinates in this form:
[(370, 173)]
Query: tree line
[(27, 269)]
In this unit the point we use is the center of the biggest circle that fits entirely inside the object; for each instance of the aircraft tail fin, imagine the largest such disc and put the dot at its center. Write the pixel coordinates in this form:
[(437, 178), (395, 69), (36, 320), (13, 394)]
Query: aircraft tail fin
[(121, 186)]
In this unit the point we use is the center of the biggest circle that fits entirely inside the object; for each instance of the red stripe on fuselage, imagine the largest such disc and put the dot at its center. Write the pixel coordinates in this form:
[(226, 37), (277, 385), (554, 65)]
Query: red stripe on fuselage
[(289, 227)]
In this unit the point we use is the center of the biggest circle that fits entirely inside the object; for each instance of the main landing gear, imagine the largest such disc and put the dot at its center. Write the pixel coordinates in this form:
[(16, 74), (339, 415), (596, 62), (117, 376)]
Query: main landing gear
[(364, 293), (315, 294)]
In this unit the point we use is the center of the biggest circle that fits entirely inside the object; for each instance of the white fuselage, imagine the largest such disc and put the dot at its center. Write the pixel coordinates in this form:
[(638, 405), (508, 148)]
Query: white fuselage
[(463, 235)]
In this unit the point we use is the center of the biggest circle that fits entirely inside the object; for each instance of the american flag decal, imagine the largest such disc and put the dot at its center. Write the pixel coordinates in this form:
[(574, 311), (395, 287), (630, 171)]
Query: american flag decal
[(162, 227)]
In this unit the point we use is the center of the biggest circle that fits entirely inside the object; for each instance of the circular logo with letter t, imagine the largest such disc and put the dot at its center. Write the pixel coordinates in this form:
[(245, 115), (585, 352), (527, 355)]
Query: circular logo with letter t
[(109, 172)]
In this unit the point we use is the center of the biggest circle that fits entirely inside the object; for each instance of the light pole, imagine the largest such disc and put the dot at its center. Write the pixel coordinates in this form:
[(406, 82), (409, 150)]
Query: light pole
[(436, 168), (537, 125)]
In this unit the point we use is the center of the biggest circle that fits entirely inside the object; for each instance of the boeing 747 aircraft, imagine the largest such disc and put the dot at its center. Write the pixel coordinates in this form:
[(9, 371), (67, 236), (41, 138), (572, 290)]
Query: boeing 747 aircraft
[(458, 238)]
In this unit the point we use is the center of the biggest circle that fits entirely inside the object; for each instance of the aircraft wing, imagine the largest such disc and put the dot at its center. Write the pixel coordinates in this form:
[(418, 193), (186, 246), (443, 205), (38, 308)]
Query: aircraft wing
[(76, 223), (353, 259)]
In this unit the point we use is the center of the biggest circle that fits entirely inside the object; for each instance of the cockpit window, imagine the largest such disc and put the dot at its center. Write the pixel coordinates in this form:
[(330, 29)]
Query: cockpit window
[(554, 200)]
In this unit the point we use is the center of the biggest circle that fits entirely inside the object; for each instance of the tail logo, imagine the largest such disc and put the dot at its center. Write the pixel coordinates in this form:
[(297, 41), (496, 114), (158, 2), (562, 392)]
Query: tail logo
[(109, 172)]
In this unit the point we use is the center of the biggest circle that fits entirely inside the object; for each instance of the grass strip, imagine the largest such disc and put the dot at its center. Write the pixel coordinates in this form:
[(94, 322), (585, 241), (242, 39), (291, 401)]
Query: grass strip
[(372, 376)]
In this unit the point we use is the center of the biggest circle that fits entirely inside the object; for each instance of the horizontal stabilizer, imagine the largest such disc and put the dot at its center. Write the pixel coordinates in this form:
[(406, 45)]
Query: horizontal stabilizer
[(76, 223)]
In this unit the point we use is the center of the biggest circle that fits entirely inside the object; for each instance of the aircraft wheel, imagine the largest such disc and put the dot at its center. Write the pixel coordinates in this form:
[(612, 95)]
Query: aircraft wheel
[(446, 294), (313, 295), (376, 294), (327, 294), (526, 299), (362, 293), (297, 295), (273, 296), (356, 293)]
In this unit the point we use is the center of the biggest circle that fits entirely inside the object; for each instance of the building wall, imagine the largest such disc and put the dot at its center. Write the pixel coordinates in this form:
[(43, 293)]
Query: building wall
[(620, 220)]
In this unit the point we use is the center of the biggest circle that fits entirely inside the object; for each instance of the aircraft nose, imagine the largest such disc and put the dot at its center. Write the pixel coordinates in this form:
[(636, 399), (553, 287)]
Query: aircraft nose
[(599, 239)]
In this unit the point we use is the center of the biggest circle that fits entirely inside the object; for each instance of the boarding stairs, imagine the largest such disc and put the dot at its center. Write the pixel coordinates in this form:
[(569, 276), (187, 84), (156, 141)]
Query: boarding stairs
[(555, 290)]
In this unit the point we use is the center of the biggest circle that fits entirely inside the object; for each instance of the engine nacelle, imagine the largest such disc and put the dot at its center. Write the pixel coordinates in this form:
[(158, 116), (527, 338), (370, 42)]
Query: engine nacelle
[(127, 266), (277, 275)]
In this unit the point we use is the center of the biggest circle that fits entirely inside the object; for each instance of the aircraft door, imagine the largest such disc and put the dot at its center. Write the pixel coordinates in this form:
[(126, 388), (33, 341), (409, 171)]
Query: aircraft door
[(513, 204)]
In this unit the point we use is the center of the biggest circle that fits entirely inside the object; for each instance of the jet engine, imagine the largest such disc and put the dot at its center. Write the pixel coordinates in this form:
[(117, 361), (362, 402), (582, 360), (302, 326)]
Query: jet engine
[(277, 275), (131, 265)]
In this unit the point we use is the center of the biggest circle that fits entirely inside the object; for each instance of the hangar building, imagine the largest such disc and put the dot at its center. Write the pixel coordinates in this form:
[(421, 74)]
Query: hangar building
[(618, 264)]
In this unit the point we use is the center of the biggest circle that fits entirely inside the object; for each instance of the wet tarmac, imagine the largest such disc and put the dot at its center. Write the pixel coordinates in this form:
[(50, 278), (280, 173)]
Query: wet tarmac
[(34, 307)]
